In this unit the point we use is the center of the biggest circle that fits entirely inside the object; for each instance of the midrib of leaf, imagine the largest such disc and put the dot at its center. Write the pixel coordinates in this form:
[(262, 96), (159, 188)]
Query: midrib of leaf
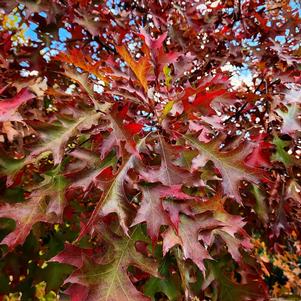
[(214, 157), (165, 160), (117, 267), (68, 132), (116, 126), (27, 221), (149, 197), (79, 79), (60, 189), (103, 200)]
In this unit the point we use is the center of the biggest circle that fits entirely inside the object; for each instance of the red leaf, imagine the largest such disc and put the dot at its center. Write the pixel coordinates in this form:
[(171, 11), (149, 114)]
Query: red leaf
[(25, 215), (151, 209), (133, 128), (8, 107), (260, 155)]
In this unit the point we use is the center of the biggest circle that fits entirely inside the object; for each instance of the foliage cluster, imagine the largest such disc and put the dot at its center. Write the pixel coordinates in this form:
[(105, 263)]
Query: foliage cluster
[(150, 150)]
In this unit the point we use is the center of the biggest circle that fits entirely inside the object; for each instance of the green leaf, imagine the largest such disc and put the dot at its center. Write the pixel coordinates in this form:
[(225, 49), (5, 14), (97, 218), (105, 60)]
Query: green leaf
[(168, 77), (166, 286), (54, 275), (228, 289), (281, 154), (10, 166), (260, 207), (167, 109), (109, 281), (14, 195)]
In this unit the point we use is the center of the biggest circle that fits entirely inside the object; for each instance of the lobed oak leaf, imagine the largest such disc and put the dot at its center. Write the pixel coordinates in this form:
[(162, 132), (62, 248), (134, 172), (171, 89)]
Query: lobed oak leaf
[(175, 207), (284, 53), (204, 99), (151, 209), (114, 199), (25, 215), (280, 153), (94, 168), (55, 138), (110, 281), (9, 107), (229, 163), (230, 226), (259, 156), (290, 119), (85, 83), (168, 174), (153, 44), (52, 191), (77, 58), (160, 57), (201, 98), (45, 203), (120, 132), (228, 232), (141, 67), (76, 256), (188, 237), (231, 242), (87, 21)]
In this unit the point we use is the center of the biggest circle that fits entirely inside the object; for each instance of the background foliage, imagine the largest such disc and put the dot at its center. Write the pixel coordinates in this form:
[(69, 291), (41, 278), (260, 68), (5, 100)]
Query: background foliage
[(150, 150)]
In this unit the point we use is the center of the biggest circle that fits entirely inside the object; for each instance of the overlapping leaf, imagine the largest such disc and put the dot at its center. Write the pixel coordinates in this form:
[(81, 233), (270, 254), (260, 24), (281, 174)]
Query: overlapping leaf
[(114, 135), (152, 210), (55, 138), (168, 173), (8, 107), (25, 215), (229, 163), (109, 281)]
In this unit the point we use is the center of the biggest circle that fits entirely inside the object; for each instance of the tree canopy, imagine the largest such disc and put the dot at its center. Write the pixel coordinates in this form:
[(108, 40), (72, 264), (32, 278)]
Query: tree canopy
[(150, 150)]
